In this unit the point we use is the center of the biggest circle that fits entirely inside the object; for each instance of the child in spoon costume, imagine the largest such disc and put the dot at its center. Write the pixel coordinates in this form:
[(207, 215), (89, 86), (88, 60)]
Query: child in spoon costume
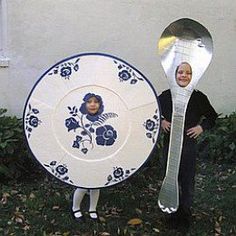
[(198, 107), (93, 103)]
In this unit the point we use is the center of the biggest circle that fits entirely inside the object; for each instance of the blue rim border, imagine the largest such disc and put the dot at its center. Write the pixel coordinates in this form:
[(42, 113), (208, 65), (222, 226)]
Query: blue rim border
[(93, 54)]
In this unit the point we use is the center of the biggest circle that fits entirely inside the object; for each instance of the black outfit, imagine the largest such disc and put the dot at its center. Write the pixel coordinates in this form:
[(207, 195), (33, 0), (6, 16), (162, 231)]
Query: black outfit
[(199, 111)]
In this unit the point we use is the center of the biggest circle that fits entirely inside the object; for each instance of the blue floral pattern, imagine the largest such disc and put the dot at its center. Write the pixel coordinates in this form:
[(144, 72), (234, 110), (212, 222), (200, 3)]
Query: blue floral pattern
[(152, 125), (31, 121), (59, 170), (65, 69), (127, 74), (118, 175), (106, 135), (90, 128)]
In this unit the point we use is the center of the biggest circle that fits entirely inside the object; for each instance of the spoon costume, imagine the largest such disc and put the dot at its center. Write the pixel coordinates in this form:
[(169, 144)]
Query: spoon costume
[(183, 41), (92, 150)]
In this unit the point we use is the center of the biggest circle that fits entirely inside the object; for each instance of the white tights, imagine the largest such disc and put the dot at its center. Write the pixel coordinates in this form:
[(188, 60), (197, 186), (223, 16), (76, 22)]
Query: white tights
[(78, 197)]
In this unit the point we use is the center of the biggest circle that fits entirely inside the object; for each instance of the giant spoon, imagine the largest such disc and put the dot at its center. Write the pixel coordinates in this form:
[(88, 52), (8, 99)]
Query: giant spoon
[(184, 40)]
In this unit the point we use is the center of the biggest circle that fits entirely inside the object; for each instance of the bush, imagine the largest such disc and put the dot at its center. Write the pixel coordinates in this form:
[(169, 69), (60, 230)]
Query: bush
[(14, 158), (219, 144)]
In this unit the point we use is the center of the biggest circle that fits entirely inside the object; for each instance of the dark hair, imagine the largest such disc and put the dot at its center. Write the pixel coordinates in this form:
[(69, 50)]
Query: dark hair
[(184, 62)]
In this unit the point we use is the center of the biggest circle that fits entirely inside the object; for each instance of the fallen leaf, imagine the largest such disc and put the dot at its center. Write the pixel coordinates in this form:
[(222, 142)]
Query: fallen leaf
[(14, 192), (18, 217), (217, 228), (220, 218), (4, 198), (156, 230), (138, 211), (26, 227), (104, 234), (32, 196), (118, 231), (56, 207), (53, 221), (102, 219), (135, 221), (66, 233), (6, 195)]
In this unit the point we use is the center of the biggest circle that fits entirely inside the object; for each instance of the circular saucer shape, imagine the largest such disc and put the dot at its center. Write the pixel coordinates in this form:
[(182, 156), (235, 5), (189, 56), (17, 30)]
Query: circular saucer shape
[(92, 120)]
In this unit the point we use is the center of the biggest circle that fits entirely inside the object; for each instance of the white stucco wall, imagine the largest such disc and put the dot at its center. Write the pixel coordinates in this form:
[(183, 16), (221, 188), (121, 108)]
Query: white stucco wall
[(40, 33)]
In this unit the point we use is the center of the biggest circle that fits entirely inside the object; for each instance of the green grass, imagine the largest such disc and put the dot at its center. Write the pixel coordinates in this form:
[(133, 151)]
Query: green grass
[(40, 205)]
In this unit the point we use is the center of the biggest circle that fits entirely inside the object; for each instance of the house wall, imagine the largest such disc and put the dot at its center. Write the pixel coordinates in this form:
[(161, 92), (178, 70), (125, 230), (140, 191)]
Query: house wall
[(41, 33)]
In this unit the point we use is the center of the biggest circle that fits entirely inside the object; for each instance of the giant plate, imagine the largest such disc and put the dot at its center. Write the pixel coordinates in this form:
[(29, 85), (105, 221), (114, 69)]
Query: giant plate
[(92, 151)]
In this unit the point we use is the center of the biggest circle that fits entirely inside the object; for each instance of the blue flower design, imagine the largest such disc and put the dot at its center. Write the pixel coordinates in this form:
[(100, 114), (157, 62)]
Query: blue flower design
[(33, 121), (84, 111), (71, 123), (118, 175), (53, 163), (124, 75), (66, 71), (76, 143), (150, 125), (84, 150), (106, 135), (133, 81), (118, 172), (90, 126), (61, 169)]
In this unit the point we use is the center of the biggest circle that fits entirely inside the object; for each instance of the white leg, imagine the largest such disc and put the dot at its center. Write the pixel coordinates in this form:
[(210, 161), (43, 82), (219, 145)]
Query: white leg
[(94, 196), (77, 199)]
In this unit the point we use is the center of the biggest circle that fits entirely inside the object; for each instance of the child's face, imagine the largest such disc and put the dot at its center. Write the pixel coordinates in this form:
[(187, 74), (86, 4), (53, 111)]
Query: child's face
[(92, 105), (184, 75)]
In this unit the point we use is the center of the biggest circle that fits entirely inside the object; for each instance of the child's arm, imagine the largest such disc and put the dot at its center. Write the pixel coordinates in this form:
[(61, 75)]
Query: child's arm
[(208, 112)]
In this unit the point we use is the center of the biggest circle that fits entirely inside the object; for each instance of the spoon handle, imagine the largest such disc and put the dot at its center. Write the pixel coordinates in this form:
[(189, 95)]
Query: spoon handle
[(169, 194)]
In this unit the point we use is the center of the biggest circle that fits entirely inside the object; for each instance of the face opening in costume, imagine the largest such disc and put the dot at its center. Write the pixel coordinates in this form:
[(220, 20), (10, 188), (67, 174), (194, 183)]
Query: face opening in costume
[(183, 74), (92, 105)]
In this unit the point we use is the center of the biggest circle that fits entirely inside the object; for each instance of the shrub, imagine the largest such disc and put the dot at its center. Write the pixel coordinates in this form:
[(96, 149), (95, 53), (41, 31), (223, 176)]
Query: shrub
[(219, 144), (13, 151)]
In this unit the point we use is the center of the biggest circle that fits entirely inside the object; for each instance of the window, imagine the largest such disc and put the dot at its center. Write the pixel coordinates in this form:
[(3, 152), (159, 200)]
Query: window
[(4, 60)]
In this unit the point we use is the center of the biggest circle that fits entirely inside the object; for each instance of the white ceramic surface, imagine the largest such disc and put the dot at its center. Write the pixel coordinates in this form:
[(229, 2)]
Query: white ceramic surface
[(92, 151)]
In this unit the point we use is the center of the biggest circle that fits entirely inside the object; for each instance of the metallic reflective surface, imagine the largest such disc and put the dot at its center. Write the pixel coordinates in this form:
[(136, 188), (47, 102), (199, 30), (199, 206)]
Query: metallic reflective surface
[(184, 40)]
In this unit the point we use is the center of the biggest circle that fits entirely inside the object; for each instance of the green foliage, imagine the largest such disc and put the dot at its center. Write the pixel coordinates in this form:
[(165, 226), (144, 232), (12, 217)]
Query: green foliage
[(219, 144), (10, 134), (13, 151)]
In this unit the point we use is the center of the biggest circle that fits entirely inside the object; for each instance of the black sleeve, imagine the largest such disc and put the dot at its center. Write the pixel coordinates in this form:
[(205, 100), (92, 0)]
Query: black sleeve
[(208, 112), (162, 104), (165, 103)]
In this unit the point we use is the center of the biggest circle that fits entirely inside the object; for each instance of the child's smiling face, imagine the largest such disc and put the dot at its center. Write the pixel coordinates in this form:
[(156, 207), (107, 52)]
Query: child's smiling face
[(183, 74), (92, 105)]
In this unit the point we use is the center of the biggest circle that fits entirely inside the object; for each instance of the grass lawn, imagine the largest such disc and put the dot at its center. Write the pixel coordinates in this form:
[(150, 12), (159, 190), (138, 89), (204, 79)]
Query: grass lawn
[(38, 204)]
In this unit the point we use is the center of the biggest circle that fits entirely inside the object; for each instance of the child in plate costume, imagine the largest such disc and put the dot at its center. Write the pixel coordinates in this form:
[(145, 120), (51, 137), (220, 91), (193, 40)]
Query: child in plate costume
[(93, 106)]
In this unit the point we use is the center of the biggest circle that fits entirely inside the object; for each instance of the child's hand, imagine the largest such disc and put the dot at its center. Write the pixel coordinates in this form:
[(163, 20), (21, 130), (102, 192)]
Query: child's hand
[(194, 132), (165, 125)]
